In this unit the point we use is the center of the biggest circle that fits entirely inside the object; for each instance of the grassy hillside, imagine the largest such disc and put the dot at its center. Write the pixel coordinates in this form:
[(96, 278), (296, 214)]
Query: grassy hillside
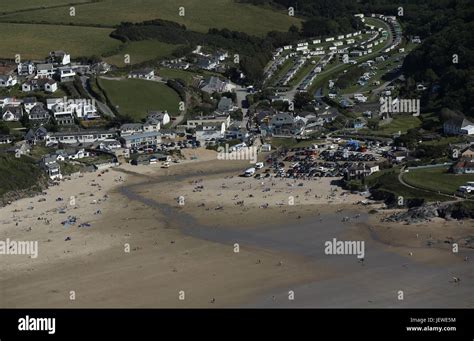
[(400, 123), (437, 179), (141, 51), (136, 97), (199, 15), (386, 181), (9, 6), (19, 174), (36, 41)]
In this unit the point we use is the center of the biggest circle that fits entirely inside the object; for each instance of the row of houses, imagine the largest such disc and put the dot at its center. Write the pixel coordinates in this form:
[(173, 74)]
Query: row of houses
[(210, 62), (56, 65), (129, 135), (133, 135), (199, 60), (309, 78), (64, 110), (309, 48), (305, 45), (287, 124), (51, 163), (292, 71), (44, 75), (38, 76), (204, 128)]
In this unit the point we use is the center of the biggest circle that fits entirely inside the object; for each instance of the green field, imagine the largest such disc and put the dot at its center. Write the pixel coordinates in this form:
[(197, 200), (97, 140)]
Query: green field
[(199, 15), (136, 97), (141, 51), (187, 76), (445, 141), (9, 6), (387, 180), (36, 41), (399, 124), (437, 179)]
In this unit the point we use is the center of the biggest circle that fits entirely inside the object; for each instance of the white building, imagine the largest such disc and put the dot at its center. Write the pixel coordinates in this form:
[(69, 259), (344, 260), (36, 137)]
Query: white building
[(45, 70), (142, 74), (208, 121), (141, 139), (59, 57), (66, 74), (7, 81), (26, 68), (86, 136)]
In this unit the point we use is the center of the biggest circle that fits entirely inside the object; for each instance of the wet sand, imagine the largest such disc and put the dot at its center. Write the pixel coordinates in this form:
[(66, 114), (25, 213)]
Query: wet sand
[(176, 250)]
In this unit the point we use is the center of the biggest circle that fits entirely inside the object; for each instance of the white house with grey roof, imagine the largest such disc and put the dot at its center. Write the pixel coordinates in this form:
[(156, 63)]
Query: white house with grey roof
[(66, 73), (42, 84), (45, 70), (39, 113), (208, 121), (210, 131), (8, 81), (161, 117), (134, 128), (214, 84), (12, 114), (141, 139)]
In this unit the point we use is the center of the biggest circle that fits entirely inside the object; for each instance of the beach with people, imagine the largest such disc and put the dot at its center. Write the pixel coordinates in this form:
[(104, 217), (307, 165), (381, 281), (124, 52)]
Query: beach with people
[(198, 234)]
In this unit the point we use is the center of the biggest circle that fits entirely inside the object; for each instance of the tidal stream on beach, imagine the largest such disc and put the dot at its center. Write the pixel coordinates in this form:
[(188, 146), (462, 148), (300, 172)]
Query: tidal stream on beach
[(374, 281)]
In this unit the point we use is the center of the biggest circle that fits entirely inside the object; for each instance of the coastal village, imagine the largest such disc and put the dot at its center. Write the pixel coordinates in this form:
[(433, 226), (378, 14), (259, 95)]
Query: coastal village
[(213, 175), (72, 134)]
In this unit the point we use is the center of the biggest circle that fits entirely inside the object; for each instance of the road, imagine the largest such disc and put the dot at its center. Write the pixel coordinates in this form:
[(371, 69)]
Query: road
[(241, 94), (182, 114), (103, 108)]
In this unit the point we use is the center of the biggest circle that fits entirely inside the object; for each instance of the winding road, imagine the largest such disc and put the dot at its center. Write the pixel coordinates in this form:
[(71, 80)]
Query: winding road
[(400, 179), (104, 108)]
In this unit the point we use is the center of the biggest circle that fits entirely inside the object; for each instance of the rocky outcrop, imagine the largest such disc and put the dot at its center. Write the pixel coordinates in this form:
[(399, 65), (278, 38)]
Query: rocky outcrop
[(448, 210)]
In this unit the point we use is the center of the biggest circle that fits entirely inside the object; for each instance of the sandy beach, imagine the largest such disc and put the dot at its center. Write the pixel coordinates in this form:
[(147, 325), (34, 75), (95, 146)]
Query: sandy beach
[(228, 242)]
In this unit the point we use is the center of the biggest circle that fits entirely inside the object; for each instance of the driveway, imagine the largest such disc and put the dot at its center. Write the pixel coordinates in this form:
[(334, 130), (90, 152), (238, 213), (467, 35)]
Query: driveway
[(104, 108)]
